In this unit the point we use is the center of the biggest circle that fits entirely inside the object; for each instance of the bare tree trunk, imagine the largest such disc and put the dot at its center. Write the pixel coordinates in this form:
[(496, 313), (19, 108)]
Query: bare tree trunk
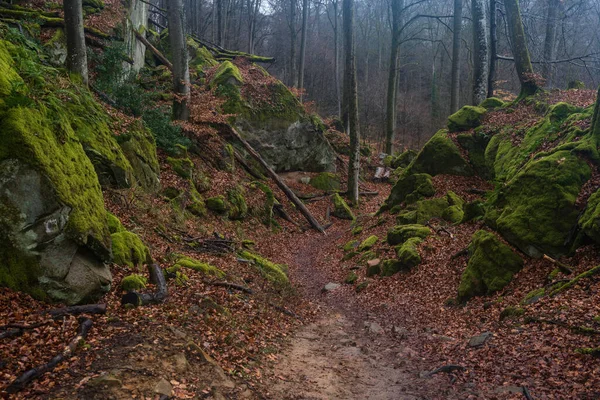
[(455, 72), (293, 42), (493, 49), (76, 51), (220, 23), (392, 90), (351, 100), (181, 71), (480, 52), (549, 42), (337, 56), (303, 45), (520, 51)]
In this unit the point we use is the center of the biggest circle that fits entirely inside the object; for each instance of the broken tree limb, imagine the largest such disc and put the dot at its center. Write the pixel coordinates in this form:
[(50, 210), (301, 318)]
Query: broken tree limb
[(565, 269), (278, 207), (19, 384), (142, 299), (154, 50), (222, 54), (447, 369), (288, 192), (76, 310), (250, 170), (229, 285)]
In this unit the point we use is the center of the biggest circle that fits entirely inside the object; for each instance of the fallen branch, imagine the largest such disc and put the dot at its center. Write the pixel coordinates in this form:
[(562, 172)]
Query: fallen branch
[(154, 50), (18, 329), (76, 310), (222, 54), (19, 384), (285, 311), (142, 299), (447, 369), (278, 207), (574, 281), (576, 329), (368, 193), (230, 286), (243, 163), (293, 198), (565, 269), (526, 393), (460, 253)]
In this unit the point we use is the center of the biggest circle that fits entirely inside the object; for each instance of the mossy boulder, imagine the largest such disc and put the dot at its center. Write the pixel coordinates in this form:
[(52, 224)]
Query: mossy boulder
[(326, 181), (128, 249), (440, 156), (368, 243), (199, 266), (590, 220), (196, 204), (139, 147), (351, 245), (466, 118), (341, 208), (475, 144), (275, 273), (491, 266), (217, 204), (402, 160), (448, 207), (133, 282), (351, 278), (408, 257), (536, 210), (401, 233), (114, 224), (226, 74), (238, 209), (492, 102), (181, 166), (410, 188)]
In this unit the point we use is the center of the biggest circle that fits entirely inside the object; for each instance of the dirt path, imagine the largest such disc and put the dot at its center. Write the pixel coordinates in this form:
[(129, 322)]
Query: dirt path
[(345, 354)]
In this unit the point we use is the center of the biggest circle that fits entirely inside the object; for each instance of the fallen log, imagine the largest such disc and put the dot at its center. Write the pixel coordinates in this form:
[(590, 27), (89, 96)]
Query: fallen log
[(154, 50), (19, 384), (229, 285), (447, 369), (76, 310), (278, 207), (11, 330), (565, 269), (142, 299), (288, 192)]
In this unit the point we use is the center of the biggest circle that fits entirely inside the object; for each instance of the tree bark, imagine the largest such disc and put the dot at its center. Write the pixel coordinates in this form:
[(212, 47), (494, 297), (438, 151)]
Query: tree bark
[(220, 23), (480, 52), (549, 42), (337, 56), (351, 100), (392, 90), (292, 23), (303, 46), (181, 71), (76, 51), (493, 48), (455, 71), (520, 50)]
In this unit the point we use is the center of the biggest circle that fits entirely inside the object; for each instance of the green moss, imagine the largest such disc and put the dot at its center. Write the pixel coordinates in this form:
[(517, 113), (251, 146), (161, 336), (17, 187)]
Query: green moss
[(565, 286), (201, 58), (408, 257), (403, 159), (491, 103), (560, 111), (326, 181), (473, 211), (454, 214), (196, 204), (367, 255), (340, 208), (410, 188), (19, 271), (114, 225), (217, 204), (407, 217), (390, 267), (199, 266), (181, 166), (374, 269), (466, 118), (357, 230), (133, 282), (589, 351), (361, 286), (275, 273), (401, 233), (491, 266), (476, 144), (238, 209), (226, 74), (351, 245), (440, 156), (534, 295), (536, 210), (575, 85), (266, 212), (431, 208), (590, 220), (511, 312), (351, 278), (129, 250), (9, 78), (368, 243)]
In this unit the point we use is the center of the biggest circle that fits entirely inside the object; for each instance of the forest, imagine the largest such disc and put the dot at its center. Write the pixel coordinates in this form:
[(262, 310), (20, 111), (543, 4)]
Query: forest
[(299, 199)]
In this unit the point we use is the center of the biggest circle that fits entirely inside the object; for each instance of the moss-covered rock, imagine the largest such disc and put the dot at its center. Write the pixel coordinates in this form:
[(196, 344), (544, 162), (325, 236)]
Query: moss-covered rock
[(466, 118), (326, 181), (476, 144), (238, 209), (590, 220), (139, 147), (390, 267), (217, 204), (341, 208), (403, 159), (275, 273), (440, 156), (226, 74), (474, 210), (128, 249), (491, 266), (368, 243), (351, 245), (351, 278), (133, 282), (196, 265), (114, 224), (408, 257), (181, 166), (196, 203), (401, 233), (491, 103), (410, 188), (536, 210)]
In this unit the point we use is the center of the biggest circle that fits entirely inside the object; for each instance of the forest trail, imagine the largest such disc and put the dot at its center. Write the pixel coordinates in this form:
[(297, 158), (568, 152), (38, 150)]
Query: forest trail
[(345, 353)]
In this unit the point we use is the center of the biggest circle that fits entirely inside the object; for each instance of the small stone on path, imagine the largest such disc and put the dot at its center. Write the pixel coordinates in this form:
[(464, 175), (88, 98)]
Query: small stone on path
[(331, 286), (479, 340)]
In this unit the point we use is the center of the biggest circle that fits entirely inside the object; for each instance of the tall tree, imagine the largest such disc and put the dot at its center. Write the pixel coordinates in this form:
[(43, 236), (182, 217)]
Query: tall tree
[(493, 48), (181, 71), (220, 23), (455, 71), (520, 50), (351, 99), (549, 42), (292, 24), (480, 52), (76, 52), (336, 54), (392, 90), (303, 45)]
